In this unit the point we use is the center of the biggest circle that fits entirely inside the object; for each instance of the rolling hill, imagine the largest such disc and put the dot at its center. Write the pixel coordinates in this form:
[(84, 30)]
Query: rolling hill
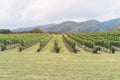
[(5, 31)]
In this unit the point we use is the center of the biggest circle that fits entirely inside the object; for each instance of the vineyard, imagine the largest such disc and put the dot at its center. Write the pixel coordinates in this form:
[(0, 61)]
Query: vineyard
[(23, 41), (107, 42), (66, 56)]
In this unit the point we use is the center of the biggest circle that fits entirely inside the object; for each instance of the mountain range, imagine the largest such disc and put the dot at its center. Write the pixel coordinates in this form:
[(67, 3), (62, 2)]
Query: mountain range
[(72, 26)]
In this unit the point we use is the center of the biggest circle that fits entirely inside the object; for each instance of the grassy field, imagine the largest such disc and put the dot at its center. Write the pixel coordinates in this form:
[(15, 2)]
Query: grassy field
[(47, 65)]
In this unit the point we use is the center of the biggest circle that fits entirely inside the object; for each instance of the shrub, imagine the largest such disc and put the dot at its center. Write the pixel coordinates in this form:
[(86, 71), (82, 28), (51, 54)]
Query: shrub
[(20, 48), (113, 50), (56, 47), (96, 49), (3, 48), (38, 50)]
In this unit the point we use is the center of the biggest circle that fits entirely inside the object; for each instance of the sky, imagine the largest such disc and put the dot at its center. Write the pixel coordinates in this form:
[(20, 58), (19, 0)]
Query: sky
[(29, 13)]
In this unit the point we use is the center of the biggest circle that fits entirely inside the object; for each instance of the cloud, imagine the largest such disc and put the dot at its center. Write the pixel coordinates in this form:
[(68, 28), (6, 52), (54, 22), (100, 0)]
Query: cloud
[(21, 13)]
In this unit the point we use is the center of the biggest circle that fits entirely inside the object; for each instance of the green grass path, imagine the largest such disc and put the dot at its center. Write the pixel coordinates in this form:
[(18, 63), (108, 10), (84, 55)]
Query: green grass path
[(63, 50), (49, 47)]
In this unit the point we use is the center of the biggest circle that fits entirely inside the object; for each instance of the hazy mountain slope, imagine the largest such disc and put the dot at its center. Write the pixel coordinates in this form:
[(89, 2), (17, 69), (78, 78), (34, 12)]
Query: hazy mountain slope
[(117, 27), (90, 26), (70, 26), (67, 26), (109, 24), (43, 27), (86, 26)]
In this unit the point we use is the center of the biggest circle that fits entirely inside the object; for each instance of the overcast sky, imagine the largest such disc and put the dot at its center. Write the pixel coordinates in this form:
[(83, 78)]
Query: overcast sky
[(26, 13)]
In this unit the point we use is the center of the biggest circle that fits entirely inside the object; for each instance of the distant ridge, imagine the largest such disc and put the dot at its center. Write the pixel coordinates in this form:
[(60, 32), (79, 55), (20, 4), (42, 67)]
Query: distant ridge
[(111, 23), (42, 27), (72, 26)]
